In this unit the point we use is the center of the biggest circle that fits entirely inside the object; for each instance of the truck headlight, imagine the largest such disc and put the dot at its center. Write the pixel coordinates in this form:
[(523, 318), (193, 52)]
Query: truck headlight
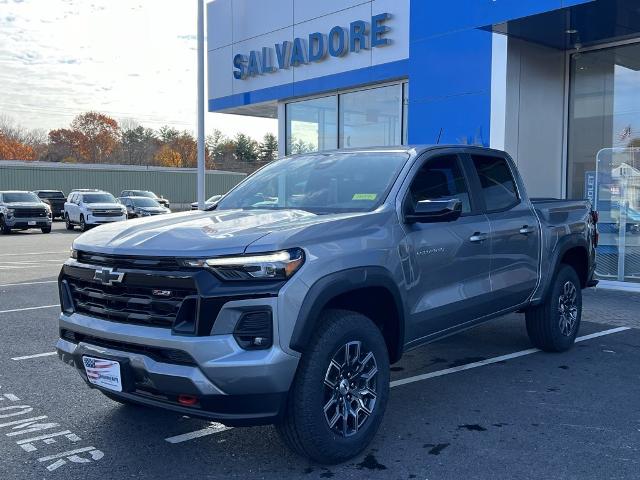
[(10, 212), (266, 266)]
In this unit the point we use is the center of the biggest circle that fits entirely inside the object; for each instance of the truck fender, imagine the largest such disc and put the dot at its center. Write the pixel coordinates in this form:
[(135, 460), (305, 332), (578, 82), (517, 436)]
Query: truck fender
[(564, 245), (338, 283)]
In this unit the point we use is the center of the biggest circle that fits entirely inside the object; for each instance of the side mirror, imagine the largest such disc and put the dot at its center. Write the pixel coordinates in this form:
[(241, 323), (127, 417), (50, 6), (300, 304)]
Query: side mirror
[(431, 211)]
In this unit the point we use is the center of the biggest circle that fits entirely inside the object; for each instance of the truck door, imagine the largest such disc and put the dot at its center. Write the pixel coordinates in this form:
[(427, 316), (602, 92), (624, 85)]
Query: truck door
[(446, 264), (515, 233)]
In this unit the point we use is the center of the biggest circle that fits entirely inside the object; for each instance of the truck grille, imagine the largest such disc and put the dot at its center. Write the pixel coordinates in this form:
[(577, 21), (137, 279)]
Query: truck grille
[(126, 303), (123, 261), (30, 212), (107, 213)]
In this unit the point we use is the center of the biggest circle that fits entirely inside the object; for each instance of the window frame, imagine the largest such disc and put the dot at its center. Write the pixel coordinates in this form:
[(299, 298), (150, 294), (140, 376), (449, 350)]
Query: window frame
[(477, 208), (477, 184)]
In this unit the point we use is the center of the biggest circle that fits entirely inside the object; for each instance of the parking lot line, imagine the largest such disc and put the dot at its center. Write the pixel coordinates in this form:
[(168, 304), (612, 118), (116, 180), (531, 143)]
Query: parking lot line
[(217, 427), (27, 283), (489, 361), (211, 429), (29, 308), (37, 355)]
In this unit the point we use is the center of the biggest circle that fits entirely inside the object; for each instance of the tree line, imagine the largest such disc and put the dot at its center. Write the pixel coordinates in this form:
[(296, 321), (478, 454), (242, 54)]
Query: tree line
[(93, 137)]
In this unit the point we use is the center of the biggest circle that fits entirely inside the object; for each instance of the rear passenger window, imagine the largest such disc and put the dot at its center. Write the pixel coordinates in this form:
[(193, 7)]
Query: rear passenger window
[(498, 186)]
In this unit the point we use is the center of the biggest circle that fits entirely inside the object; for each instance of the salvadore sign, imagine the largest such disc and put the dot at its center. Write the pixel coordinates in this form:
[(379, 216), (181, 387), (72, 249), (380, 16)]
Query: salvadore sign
[(340, 41)]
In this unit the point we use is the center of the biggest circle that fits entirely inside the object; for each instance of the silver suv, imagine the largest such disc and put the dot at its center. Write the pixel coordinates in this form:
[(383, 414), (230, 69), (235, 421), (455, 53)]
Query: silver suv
[(287, 301)]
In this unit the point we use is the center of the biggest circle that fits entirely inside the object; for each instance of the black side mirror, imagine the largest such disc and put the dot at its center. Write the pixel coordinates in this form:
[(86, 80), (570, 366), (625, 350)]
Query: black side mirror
[(431, 211)]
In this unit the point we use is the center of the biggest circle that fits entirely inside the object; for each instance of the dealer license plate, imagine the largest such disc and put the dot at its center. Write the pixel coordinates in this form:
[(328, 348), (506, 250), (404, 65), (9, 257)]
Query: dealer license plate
[(103, 373)]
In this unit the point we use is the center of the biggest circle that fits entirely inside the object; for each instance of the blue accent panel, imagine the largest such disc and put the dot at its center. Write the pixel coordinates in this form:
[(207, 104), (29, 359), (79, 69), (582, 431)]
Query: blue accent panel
[(352, 78), (464, 119), (450, 87), (433, 18)]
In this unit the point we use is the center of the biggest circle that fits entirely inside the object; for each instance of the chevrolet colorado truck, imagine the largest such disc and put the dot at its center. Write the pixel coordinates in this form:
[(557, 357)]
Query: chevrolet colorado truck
[(287, 301)]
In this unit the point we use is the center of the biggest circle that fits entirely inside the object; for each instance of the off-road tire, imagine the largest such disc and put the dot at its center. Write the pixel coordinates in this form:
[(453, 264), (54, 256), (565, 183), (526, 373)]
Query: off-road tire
[(304, 427), (544, 322)]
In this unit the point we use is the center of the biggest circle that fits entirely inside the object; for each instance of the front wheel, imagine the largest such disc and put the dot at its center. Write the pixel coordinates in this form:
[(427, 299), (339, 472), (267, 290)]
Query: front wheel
[(553, 325), (83, 224), (46, 229), (3, 226), (339, 395)]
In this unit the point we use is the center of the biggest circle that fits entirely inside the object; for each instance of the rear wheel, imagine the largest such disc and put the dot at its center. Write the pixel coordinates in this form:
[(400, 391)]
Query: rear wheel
[(553, 325), (67, 222), (3, 226), (338, 398)]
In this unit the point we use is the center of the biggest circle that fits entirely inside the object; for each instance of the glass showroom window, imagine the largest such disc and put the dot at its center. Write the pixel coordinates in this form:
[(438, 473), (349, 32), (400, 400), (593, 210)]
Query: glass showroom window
[(312, 125), (371, 117)]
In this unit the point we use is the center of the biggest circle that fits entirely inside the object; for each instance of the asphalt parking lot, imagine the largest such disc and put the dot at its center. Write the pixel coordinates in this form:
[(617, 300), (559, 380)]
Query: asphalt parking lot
[(481, 404)]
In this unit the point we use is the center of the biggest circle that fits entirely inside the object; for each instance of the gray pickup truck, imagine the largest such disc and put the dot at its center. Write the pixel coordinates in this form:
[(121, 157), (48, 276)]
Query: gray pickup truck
[(21, 210), (288, 300)]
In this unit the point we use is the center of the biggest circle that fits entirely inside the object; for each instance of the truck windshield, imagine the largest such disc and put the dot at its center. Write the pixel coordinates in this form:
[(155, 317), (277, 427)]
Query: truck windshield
[(51, 195), (320, 183), (99, 198), (145, 202), (20, 197)]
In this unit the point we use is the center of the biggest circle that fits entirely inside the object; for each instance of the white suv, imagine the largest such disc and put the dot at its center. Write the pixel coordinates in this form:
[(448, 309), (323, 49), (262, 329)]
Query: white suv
[(89, 208)]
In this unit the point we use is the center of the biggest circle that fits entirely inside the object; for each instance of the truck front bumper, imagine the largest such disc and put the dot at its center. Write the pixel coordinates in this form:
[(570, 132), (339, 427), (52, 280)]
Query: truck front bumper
[(22, 222), (97, 220), (231, 385)]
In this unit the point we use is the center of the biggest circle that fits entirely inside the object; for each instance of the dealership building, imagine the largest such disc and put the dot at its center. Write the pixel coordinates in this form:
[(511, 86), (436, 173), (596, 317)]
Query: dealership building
[(556, 83)]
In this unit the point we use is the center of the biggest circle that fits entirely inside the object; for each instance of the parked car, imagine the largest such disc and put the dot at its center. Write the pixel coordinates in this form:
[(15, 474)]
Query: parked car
[(92, 207), (291, 312), (145, 193), (55, 199), (208, 203), (142, 207), (23, 210)]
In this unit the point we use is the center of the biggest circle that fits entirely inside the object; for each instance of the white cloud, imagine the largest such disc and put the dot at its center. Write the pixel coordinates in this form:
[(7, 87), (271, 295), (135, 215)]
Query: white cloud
[(129, 59)]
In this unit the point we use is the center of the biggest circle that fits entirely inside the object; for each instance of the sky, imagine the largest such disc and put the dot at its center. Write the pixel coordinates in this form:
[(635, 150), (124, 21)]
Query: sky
[(130, 59)]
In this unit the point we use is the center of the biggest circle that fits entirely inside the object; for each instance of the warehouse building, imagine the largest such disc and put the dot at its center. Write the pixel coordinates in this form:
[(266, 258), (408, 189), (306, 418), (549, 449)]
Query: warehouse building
[(556, 83)]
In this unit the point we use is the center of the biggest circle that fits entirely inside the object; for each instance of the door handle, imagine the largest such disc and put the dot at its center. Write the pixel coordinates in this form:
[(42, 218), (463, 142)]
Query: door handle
[(478, 237), (526, 230)]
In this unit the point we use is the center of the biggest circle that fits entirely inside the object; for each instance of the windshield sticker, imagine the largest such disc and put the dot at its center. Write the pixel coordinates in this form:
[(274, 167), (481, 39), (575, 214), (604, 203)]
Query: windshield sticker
[(365, 196)]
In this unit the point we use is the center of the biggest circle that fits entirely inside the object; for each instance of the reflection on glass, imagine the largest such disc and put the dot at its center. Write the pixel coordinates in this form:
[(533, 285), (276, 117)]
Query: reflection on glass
[(604, 153), (312, 125), (371, 117)]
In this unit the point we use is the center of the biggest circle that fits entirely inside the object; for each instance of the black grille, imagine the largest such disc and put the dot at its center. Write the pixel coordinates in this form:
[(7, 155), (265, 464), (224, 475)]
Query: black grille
[(120, 261), (128, 304), (30, 212), (107, 213), (166, 355)]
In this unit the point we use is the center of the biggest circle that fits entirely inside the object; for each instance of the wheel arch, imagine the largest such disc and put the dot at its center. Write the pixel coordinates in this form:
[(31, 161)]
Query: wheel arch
[(572, 250), (370, 291)]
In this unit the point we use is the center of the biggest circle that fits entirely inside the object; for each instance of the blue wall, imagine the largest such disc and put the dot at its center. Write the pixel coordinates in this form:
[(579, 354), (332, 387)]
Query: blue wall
[(450, 65)]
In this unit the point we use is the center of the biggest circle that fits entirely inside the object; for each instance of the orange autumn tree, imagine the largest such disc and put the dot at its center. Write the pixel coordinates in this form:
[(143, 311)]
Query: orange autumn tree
[(168, 157), (14, 150), (92, 138)]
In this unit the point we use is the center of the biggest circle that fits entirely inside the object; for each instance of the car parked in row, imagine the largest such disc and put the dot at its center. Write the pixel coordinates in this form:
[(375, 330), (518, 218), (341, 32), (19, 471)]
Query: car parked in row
[(55, 199), (208, 203), (146, 193), (21, 210), (142, 207), (86, 208)]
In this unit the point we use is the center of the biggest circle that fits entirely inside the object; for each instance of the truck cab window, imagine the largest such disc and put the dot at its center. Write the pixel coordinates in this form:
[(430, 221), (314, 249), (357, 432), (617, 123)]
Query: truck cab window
[(498, 186), (441, 178)]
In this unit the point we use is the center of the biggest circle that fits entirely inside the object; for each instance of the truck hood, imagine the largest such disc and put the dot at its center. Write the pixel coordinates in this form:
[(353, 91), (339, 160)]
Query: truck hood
[(194, 233), (25, 204)]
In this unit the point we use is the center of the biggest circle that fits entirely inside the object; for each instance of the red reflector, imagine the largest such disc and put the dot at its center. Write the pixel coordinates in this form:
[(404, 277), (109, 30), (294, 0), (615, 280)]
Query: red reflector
[(187, 400)]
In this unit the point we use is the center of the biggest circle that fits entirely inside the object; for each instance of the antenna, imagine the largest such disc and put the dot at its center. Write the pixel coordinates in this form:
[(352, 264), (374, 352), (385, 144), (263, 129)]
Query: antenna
[(439, 136)]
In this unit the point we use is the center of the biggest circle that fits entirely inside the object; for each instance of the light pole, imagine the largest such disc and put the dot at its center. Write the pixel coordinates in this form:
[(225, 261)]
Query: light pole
[(200, 122)]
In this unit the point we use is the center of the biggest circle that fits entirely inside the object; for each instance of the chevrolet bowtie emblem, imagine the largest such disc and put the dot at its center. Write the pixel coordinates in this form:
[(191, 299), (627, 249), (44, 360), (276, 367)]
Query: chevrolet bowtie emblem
[(107, 276)]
